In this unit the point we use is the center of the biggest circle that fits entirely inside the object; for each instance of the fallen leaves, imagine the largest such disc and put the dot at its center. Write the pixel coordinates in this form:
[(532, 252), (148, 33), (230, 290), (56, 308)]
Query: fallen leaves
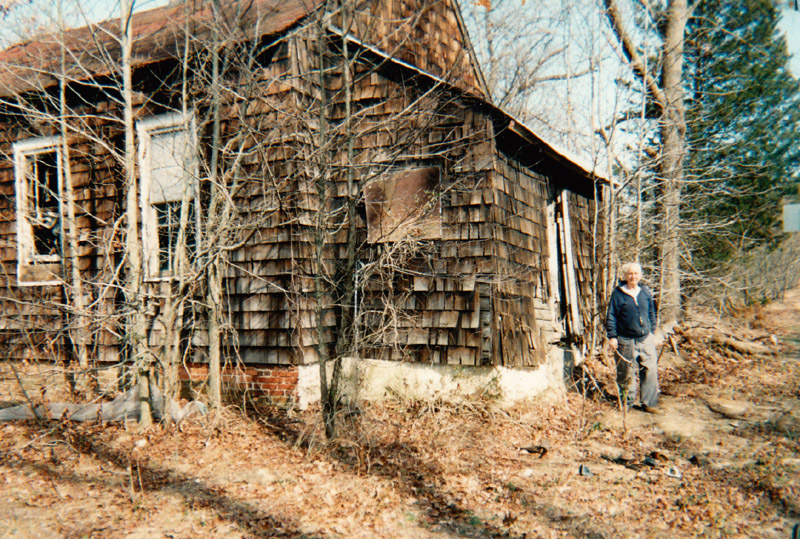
[(436, 469)]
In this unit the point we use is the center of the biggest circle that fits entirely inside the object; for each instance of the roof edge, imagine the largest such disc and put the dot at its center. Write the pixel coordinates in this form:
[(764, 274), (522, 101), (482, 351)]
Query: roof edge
[(471, 50), (517, 126)]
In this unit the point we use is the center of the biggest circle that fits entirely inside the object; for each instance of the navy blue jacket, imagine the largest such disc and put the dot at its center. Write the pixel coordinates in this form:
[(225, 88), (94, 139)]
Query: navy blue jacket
[(628, 318)]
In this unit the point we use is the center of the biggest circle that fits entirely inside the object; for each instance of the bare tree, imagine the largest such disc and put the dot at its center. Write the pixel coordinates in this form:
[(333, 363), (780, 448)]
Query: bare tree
[(667, 94), (89, 301), (76, 296), (342, 178)]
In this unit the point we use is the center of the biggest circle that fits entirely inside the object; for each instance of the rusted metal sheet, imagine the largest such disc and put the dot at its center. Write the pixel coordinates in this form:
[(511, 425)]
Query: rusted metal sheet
[(404, 204)]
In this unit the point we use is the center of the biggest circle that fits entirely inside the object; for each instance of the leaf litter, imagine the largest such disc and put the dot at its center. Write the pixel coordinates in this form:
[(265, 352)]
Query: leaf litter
[(411, 469)]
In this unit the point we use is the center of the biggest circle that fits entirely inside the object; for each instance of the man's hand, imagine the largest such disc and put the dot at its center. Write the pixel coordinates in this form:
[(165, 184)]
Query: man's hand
[(613, 344)]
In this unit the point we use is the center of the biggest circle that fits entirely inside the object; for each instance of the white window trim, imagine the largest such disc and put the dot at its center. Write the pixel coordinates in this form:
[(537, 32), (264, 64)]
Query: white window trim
[(144, 128), (25, 244)]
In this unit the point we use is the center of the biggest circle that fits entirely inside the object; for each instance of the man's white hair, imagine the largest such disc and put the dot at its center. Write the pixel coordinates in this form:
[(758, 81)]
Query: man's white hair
[(631, 266)]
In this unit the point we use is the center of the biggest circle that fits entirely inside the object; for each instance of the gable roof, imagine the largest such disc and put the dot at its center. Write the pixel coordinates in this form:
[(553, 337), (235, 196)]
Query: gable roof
[(570, 162), (158, 34), (429, 34)]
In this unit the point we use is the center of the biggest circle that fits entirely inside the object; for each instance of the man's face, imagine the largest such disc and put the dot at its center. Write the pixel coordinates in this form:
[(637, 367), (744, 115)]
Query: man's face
[(633, 276)]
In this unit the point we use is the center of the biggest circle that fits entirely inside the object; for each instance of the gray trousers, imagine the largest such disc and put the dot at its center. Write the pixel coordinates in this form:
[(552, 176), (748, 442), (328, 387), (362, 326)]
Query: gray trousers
[(638, 358)]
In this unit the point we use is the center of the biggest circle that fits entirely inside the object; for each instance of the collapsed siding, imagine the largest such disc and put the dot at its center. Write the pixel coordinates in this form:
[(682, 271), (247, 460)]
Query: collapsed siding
[(582, 215)]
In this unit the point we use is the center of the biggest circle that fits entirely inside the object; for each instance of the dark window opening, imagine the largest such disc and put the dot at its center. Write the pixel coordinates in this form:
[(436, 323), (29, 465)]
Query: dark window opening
[(43, 204)]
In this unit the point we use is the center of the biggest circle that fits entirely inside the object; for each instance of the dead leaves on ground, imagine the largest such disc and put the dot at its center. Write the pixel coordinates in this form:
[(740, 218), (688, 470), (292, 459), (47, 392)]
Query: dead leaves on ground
[(413, 469)]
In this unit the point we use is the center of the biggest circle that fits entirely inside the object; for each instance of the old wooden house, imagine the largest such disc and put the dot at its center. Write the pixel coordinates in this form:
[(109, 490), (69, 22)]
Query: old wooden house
[(334, 167)]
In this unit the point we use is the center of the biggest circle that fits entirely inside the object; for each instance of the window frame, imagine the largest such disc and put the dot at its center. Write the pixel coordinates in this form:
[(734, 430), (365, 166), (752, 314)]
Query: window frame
[(146, 129), (26, 256)]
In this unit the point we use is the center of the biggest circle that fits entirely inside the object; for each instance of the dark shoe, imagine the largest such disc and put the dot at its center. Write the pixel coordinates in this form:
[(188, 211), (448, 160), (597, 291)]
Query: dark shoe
[(651, 409)]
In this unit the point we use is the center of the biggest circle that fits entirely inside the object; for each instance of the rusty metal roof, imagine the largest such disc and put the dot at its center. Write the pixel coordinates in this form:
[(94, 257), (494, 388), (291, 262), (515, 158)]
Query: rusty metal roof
[(158, 34)]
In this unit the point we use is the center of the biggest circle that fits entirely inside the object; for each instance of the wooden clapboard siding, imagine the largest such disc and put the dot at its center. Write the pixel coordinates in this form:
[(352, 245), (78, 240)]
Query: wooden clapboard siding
[(265, 283), (520, 249), (433, 323), (440, 307), (426, 34), (34, 321)]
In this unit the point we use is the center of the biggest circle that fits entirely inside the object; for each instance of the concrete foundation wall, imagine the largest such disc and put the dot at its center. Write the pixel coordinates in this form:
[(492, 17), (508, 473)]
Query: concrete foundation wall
[(374, 380), (364, 379)]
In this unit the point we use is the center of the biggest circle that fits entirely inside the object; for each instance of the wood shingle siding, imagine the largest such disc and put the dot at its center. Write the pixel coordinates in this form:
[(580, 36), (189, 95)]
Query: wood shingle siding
[(480, 286)]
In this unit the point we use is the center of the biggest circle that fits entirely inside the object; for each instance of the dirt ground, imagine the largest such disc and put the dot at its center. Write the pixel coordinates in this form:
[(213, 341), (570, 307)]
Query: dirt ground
[(721, 460)]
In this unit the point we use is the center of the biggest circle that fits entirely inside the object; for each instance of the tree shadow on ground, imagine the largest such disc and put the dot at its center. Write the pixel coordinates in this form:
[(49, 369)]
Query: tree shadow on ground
[(401, 462), (422, 480), (147, 478)]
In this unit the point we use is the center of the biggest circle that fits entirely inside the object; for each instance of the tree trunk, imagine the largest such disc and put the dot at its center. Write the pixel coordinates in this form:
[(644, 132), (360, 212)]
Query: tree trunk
[(346, 278), (214, 269), (214, 300), (673, 137), (323, 288), (75, 296), (668, 96), (136, 322)]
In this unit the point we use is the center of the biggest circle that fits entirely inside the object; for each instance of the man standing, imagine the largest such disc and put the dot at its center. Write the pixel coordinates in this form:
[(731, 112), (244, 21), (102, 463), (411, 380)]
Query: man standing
[(630, 326)]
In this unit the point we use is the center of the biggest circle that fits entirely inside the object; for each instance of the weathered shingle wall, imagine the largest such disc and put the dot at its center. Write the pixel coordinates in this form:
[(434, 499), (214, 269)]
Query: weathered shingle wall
[(586, 230), (523, 320), (36, 318), (480, 294)]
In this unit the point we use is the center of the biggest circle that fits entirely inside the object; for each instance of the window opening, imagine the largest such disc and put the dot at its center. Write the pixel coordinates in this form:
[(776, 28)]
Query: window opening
[(43, 205), (168, 173), (168, 217), (37, 164)]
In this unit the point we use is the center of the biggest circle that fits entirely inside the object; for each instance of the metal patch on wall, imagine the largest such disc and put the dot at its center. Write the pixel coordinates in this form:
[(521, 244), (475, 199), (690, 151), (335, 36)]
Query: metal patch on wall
[(404, 204)]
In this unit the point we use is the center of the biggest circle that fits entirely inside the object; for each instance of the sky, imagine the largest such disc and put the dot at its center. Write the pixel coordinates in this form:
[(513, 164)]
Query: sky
[(591, 100), (564, 111), (19, 26), (568, 19), (36, 16)]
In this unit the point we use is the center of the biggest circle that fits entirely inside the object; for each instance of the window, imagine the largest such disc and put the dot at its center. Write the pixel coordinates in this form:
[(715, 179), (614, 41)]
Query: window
[(37, 164), (168, 167), (404, 204)]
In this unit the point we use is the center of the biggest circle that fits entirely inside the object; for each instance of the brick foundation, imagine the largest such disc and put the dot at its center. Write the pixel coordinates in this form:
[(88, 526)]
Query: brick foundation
[(278, 382), (49, 380)]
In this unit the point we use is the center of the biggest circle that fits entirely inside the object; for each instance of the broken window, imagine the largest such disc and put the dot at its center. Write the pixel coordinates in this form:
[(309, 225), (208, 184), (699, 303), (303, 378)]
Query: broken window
[(39, 219), (406, 204), (168, 166)]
